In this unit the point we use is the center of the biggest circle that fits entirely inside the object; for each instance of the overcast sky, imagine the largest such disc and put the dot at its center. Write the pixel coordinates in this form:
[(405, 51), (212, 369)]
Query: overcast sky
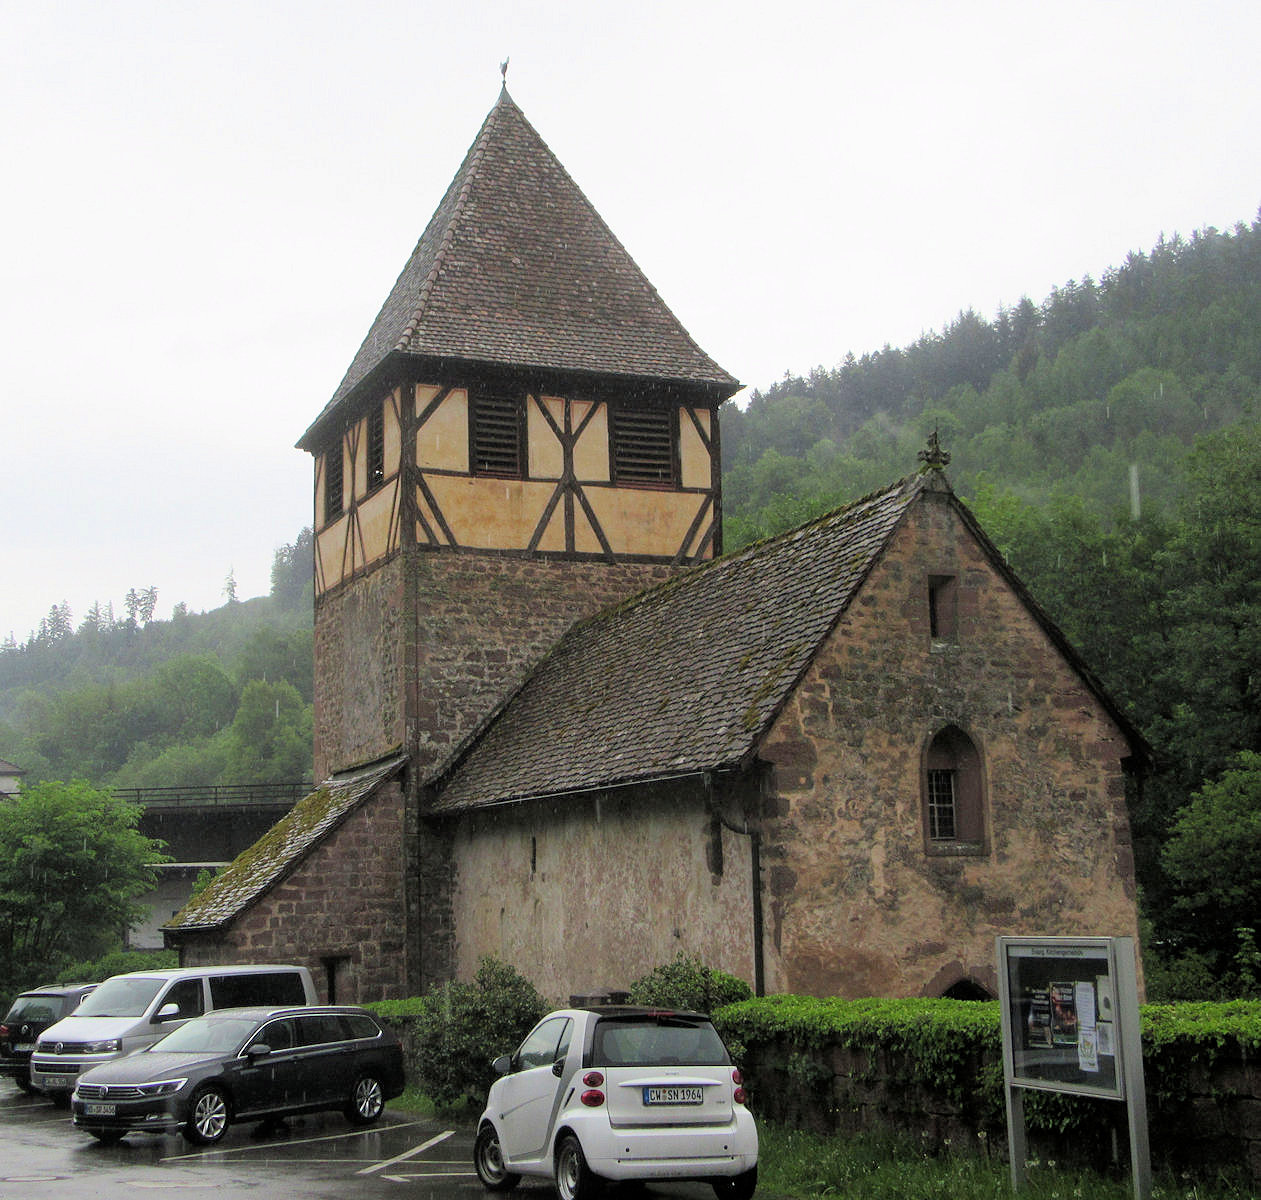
[(204, 205)]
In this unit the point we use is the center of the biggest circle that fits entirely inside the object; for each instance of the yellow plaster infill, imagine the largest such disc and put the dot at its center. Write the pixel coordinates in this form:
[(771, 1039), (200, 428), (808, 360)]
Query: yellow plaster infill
[(546, 455), (442, 441), (495, 514), (591, 450), (329, 546), (697, 469), (375, 524), (640, 521)]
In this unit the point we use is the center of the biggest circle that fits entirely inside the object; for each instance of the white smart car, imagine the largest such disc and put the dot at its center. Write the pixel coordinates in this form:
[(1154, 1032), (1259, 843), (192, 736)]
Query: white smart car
[(618, 1093)]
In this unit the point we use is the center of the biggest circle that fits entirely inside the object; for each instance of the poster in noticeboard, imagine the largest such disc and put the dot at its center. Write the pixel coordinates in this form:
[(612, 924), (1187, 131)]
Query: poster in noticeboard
[(1060, 1011)]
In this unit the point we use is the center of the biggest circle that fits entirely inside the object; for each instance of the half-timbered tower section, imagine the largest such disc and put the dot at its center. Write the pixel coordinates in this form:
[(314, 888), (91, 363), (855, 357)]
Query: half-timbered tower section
[(527, 433)]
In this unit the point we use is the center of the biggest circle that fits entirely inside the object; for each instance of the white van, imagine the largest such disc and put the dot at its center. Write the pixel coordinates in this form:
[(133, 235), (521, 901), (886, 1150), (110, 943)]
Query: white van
[(128, 1012)]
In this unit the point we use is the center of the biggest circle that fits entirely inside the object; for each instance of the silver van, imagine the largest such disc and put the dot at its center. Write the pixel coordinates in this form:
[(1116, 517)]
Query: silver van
[(128, 1012)]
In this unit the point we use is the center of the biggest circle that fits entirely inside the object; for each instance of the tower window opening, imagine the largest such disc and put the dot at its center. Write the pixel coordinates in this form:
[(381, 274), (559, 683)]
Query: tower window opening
[(954, 808), (376, 448), (643, 446), (333, 484), (496, 436)]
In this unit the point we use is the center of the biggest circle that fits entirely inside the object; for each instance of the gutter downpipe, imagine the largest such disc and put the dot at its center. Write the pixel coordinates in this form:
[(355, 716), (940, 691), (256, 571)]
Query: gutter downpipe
[(755, 864)]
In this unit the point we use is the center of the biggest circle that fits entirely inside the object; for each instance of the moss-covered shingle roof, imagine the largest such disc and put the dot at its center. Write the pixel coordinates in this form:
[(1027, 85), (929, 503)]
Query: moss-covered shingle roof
[(278, 852), (684, 677)]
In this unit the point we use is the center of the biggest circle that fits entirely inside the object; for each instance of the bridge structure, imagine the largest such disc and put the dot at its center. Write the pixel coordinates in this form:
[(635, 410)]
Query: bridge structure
[(204, 828)]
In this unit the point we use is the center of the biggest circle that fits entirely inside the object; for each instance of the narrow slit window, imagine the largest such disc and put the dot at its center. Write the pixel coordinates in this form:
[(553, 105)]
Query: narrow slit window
[(643, 446), (496, 436), (376, 448), (943, 609), (333, 484)]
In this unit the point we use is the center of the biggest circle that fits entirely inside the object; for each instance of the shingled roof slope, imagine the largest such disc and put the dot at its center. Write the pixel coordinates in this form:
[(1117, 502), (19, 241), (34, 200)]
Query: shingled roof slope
[(278, 852), (684, 677), (517, 268)]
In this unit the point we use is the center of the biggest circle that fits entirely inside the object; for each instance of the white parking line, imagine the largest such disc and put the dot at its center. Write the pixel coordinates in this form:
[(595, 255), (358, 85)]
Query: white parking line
[(428, 1175), (272, 1145), (389, 1162)]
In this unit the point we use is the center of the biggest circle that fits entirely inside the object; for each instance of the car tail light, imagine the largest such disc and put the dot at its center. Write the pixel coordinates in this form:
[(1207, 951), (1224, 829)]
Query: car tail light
[(593, 1079), (4, 1031), (740, 1096), (592, 1098), (736, 1077)]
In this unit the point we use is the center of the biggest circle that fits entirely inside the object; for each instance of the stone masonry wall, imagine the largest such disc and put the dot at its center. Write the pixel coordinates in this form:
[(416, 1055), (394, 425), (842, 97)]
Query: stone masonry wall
[(856, 903), (385, 679), (345, 901)]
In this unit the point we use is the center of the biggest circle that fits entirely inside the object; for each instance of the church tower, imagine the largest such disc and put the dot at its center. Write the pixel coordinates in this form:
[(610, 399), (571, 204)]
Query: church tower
[(526, 434)]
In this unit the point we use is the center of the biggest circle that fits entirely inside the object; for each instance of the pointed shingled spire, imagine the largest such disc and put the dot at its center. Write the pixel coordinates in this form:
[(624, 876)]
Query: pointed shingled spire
[(516, 268)]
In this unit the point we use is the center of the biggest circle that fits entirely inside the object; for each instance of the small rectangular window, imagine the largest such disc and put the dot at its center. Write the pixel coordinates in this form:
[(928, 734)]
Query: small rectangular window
[(496, 436), (643, 445), (941, 805), (943, 619), (333, 484), (376, 448)]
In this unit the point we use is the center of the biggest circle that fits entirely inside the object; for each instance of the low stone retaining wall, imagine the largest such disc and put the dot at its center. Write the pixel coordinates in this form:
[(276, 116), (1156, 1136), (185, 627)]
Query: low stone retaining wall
[(1200, 1117)]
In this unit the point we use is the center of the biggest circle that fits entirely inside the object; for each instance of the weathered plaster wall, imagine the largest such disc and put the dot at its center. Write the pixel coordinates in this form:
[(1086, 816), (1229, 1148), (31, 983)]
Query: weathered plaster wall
[(344, 902), (585, 895), (855, 905)]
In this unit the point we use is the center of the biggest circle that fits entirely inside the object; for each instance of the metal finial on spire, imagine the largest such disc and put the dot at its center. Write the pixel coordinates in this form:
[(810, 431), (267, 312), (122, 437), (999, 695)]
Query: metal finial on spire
[(934, 458), (503, 70)]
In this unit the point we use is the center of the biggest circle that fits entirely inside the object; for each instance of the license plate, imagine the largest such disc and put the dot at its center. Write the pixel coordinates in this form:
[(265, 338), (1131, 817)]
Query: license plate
[(23, 1046), (57, 1081), (673, 1095), (99, 1110)]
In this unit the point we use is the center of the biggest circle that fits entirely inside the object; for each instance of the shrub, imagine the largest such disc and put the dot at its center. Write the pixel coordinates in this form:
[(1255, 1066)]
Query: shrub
[(688, 983), (118, 962), (461, 1027)]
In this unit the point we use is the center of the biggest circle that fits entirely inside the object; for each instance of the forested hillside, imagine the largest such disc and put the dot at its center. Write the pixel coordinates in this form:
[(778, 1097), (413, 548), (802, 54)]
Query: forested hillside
[(1058, 398), (1108, 439), (216, 697)]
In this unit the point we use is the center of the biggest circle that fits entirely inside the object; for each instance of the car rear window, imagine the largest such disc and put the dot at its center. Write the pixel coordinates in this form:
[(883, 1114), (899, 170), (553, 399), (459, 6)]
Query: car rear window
[(35, 1008), (657, 1041), (362, 1026)]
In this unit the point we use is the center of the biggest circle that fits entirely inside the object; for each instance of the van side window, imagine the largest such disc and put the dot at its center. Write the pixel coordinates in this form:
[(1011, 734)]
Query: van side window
[(186, 993), (256, 988)]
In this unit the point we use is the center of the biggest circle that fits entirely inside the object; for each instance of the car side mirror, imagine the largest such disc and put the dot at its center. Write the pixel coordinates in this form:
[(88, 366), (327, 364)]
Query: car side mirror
[(258, 1050), (166, 1012), (502, 1065)]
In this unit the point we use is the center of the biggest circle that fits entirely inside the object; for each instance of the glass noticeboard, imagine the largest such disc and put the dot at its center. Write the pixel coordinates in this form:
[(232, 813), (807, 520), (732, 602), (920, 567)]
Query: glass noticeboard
[(1060, 1013)]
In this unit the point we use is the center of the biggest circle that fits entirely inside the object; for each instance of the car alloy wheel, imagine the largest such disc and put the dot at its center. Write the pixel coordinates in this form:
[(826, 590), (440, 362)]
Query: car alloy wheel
[(488, 1160), (367, 1100), (207, 1117), (574, 1180)]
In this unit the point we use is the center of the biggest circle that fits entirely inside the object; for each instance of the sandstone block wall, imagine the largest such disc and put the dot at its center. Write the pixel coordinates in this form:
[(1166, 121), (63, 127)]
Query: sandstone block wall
[(857, 902), (415, 653)]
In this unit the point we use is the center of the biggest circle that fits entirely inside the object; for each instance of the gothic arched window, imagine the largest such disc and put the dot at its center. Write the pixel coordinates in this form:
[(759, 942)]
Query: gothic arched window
[(954, 809)]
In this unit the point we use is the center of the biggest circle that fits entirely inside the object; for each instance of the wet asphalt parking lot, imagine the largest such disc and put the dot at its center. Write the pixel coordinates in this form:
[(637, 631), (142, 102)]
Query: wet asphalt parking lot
[(44, 1157)]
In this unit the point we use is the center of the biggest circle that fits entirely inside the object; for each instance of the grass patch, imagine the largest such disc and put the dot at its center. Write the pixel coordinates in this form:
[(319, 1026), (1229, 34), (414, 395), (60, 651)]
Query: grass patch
[(887, 1167), (413, 1100)]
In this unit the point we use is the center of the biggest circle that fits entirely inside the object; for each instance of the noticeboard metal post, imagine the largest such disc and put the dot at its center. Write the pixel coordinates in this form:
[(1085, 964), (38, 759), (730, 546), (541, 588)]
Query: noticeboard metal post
[(1070, 1024)]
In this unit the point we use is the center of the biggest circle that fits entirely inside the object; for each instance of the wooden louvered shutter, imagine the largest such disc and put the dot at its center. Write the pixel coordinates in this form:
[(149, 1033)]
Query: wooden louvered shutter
[(496, 436), (643, 445)]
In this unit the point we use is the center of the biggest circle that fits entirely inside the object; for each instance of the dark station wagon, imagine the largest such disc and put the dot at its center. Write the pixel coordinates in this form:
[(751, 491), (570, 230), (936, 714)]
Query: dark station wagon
[(244, 1064)]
